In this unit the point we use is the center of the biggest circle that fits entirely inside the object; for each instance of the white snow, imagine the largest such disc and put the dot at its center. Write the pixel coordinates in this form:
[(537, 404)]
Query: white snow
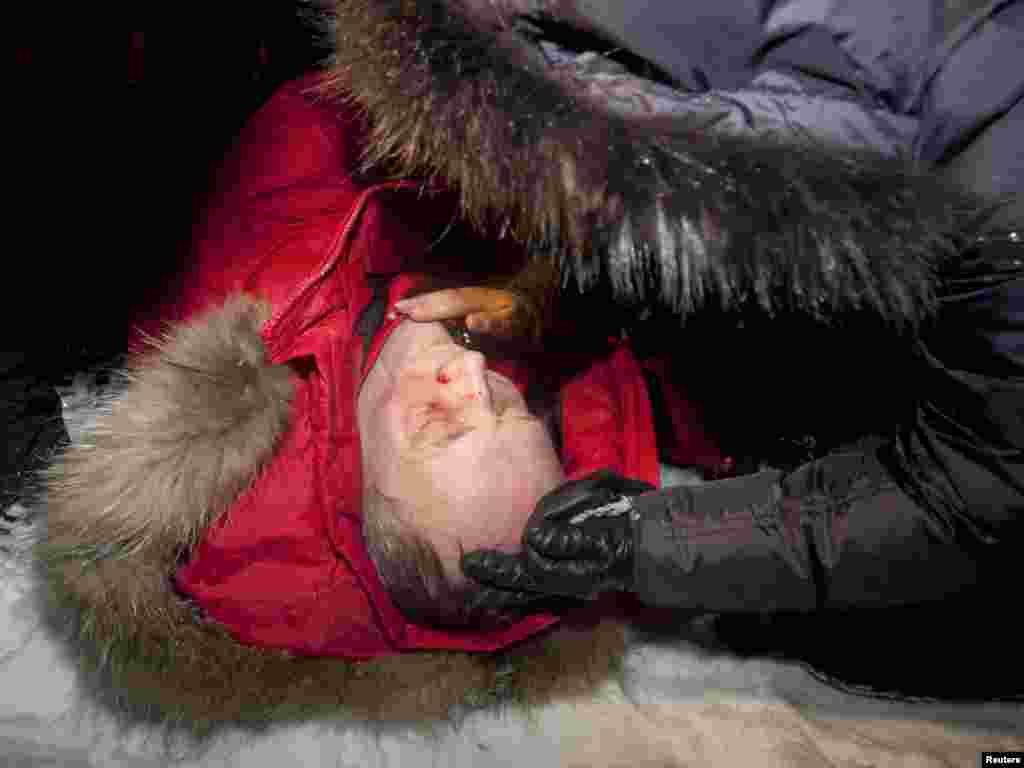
[(681, 706)]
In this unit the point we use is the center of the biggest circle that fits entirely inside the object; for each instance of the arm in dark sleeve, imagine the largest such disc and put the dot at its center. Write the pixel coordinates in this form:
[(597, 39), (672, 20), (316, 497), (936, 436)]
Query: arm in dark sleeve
[(802, 547), (942, 514)]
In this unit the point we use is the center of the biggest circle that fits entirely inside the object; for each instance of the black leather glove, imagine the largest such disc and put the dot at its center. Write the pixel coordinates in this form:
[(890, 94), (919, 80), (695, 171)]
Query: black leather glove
[(578, 543), (606, 532)]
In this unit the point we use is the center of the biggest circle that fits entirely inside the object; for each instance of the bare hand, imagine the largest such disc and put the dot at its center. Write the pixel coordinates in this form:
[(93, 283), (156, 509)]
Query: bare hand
[(486, 310)]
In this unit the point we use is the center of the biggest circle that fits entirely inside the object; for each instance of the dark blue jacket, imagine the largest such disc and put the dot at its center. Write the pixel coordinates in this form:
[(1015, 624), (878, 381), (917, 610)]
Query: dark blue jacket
[(938, 84)]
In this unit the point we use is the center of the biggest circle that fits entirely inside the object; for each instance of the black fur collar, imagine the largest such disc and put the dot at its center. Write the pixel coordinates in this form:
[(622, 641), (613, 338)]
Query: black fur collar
[(670, 212)]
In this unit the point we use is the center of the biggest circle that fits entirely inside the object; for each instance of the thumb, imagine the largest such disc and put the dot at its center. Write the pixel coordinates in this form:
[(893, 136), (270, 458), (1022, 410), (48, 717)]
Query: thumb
[(453, 303)]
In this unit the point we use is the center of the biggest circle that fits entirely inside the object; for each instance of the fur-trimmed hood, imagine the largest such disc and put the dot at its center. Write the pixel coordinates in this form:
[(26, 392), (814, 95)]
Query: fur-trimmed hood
[(212, 511), (190, 426), (671, 204)]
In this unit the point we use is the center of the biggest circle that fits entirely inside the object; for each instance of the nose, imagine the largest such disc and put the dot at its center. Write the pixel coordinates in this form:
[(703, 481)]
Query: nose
[(465, 371)]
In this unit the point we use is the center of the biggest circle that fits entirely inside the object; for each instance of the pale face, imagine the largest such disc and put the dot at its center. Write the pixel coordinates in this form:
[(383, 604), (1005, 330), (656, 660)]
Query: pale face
[(452, 444)]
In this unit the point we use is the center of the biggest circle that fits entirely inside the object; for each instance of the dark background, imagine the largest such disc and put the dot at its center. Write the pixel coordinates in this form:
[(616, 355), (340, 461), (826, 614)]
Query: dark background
[(115, 137)]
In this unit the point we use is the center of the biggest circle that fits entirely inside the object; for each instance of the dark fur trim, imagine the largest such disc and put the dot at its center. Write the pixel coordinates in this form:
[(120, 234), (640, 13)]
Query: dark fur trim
[(670, 212)]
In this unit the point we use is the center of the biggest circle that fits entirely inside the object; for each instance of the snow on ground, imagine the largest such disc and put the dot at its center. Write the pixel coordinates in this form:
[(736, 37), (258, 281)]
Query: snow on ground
[(682, 705)]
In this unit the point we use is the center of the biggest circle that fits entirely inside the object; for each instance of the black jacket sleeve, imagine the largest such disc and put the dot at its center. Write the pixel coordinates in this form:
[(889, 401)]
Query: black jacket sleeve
[(797, 555), (938, 506)]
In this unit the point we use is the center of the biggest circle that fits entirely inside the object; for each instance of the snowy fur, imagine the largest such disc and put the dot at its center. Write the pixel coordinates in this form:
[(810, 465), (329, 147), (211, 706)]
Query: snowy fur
[(192, 426)]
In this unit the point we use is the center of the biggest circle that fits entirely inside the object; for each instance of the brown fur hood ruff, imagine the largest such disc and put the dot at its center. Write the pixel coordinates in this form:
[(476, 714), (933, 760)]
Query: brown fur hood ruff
[(190, 426), (667, 209)]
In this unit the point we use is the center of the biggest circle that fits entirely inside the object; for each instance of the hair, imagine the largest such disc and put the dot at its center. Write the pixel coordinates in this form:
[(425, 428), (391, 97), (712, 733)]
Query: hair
[(412, 572)]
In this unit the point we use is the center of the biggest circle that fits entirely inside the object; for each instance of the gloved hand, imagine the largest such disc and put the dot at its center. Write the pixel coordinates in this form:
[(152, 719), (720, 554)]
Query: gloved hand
[(606, 532), (578, 543)]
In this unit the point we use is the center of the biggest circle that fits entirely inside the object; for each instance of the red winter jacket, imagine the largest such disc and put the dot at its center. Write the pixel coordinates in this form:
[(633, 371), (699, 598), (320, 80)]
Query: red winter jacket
[(291, 224)]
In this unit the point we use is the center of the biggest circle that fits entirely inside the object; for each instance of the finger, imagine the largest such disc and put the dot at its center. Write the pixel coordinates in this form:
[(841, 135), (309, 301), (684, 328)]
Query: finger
[(506, 600), (508, 573), (595, 490), (452, 303), (479, 322), (502, 322), (496, 569), (559, 542), (552, 549), (567, 577), (572, 496)]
